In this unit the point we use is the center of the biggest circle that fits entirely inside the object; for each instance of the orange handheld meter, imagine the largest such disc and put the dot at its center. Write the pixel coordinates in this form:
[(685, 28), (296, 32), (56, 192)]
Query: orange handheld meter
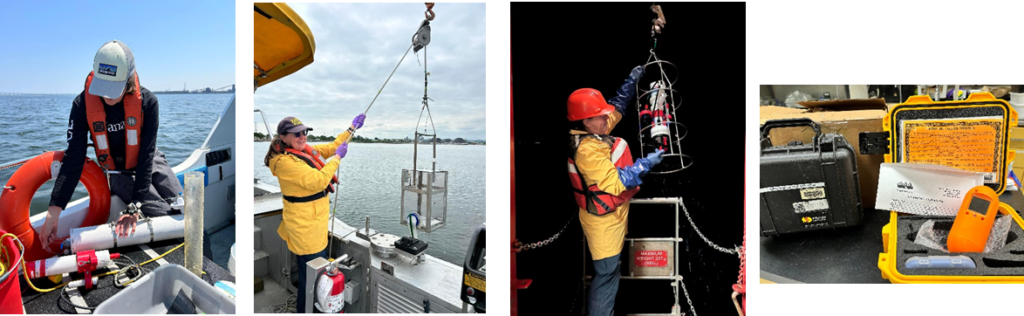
[(974, 220)]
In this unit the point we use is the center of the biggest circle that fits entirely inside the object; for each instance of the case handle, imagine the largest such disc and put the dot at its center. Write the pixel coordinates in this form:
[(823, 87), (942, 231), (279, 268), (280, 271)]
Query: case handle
[(792, 122)]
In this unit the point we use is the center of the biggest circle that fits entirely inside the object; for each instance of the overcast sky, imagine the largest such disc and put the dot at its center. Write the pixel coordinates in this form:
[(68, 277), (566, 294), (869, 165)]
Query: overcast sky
[(358, 45)]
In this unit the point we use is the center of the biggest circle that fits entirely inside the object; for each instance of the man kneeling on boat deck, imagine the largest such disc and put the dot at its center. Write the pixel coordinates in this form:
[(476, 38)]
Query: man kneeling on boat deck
[(121, 118), (306, 181)]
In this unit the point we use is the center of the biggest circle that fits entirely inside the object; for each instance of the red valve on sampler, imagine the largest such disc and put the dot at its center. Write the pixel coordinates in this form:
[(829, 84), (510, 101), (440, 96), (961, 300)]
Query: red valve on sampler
[(83, 262)]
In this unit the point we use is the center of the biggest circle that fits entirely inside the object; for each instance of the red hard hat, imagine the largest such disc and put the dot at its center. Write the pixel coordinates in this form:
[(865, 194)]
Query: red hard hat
[(586, 103)]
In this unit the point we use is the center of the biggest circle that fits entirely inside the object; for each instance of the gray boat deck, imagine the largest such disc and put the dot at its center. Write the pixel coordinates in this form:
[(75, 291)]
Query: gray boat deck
[(272, 294), (50, 304)]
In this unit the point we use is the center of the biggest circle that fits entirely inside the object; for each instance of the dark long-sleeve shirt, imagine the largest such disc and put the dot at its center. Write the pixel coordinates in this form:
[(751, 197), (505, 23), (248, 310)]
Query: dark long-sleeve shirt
[(78, 139)]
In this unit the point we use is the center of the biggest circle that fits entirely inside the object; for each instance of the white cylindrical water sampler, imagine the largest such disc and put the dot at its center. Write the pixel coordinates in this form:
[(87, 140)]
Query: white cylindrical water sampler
[(194, 193), (148, 230), (65, 264)]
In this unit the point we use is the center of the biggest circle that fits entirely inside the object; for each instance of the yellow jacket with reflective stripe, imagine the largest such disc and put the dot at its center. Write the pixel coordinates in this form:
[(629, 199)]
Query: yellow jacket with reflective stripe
[(605, 234), (304, 225)]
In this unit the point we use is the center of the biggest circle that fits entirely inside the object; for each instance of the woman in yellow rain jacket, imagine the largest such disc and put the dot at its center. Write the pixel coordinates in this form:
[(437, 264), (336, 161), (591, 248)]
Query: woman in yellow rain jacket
[(306, 182), (604, 178)]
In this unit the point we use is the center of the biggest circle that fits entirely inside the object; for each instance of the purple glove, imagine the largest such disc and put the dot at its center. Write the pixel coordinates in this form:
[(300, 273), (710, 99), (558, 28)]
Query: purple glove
[(358, 121), (342, 150)]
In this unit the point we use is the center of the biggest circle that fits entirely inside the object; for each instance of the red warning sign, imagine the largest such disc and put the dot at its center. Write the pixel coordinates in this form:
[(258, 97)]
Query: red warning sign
[(651, 258)]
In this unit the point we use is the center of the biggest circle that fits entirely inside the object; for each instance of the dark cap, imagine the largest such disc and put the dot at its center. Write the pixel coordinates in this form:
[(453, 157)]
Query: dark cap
[(291, 125)]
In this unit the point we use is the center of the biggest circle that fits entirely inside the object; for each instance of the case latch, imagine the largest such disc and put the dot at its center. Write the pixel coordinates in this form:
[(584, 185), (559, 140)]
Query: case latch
[(874, 143)]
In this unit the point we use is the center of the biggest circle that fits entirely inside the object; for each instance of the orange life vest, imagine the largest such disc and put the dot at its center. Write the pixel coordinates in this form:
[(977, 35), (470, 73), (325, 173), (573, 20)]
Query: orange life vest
[(312, 158), (592, 199), (95, 110)]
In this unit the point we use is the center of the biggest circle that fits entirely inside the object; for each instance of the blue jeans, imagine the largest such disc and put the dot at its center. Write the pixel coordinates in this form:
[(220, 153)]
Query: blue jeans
[(604, 287), (301, 260)]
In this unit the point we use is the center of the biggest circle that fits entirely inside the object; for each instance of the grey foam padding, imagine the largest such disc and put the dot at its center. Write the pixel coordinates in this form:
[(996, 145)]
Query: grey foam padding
[(995, 109), (1006, 261)]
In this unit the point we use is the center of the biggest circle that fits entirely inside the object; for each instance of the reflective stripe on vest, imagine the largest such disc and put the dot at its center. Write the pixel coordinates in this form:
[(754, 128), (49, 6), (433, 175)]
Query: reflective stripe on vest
[(620, 148), (95, 110)]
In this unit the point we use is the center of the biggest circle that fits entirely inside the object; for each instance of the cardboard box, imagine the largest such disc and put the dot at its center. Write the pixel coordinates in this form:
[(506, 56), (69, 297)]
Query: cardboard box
[(1017, 145), (846, 117), (1017, 138)]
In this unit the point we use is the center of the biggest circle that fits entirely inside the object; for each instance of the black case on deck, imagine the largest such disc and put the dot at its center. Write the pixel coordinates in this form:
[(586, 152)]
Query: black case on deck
[(808, 186)]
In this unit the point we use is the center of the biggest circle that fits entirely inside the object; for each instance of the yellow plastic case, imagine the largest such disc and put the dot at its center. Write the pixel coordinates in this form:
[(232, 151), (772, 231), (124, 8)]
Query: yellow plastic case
[(996, 114), (887, 259)]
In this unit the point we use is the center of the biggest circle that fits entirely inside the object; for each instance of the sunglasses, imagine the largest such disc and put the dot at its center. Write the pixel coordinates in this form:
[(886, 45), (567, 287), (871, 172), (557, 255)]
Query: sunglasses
[(302, 133)]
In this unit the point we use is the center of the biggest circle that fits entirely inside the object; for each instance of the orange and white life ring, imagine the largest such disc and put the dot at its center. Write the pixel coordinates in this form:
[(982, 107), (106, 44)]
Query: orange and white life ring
[(17, 198)]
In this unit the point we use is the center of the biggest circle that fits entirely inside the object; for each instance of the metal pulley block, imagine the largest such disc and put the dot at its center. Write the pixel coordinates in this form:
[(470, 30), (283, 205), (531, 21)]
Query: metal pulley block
[(384, 245), (422, 37)]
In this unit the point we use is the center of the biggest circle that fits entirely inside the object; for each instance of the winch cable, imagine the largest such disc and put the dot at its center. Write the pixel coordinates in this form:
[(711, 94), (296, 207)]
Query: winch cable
[(426, 106), (337, 173)]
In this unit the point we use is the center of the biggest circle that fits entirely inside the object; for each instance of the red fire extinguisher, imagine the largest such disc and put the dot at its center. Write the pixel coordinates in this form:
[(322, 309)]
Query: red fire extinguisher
[(331, 291)]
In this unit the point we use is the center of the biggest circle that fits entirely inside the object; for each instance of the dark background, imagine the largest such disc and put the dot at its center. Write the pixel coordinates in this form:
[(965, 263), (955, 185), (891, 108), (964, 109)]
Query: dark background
[(558, 48)]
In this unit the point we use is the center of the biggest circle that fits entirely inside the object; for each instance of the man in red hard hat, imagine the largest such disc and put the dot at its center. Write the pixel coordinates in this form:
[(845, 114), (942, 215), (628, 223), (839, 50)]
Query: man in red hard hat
[(604, 177)]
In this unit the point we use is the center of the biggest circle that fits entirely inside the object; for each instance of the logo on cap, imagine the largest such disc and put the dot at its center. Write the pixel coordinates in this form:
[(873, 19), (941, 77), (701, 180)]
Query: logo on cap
[(131, 121), (97, 127), (109, 70), (296, 121)]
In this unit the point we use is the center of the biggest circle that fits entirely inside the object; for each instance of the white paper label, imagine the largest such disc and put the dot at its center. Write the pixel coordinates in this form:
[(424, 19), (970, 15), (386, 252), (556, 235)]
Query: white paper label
[(810, 206), (812, 193)]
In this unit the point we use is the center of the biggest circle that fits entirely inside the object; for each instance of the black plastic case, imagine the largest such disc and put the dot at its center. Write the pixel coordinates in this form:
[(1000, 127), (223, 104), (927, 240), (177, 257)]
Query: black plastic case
[(808, 187)]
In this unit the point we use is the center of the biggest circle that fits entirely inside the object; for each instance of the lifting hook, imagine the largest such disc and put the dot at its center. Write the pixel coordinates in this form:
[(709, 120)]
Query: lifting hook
[(659, 23), (429, 14)]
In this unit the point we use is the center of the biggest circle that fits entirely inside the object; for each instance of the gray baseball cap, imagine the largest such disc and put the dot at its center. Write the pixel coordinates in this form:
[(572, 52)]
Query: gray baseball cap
[(111, 68)]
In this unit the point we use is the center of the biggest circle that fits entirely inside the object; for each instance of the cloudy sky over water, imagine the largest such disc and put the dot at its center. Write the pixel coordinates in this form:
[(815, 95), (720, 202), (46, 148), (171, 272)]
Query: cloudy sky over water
[(357, 47)]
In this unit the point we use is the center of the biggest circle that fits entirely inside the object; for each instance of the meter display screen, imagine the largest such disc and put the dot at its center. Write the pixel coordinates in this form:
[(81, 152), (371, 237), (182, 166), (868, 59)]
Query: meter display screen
[(979, 205)]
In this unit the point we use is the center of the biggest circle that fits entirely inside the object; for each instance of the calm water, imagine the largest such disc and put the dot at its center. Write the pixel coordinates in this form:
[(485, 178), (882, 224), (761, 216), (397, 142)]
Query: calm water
[(371, 176), (30, 125)]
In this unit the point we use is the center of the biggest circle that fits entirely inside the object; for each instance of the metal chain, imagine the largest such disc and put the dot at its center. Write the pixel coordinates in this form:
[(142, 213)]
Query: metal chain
[(741, 282), (742, 256), (520, 247), (687, 294), (733, 251)]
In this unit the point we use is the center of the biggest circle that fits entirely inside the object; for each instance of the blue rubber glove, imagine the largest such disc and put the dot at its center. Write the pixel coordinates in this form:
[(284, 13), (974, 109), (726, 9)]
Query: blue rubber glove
[(358, 121), (655, 157), (342, 150), (630, 176), (627, 90)]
